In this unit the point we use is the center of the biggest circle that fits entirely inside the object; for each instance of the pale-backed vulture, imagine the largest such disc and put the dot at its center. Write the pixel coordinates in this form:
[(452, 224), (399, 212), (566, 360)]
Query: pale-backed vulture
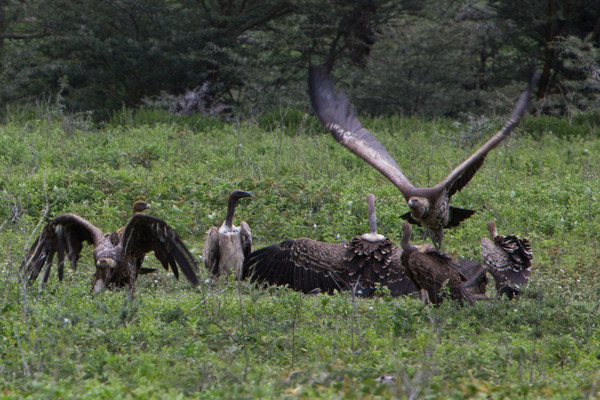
[(225, 248), (117, 264), (508, 259), (429, 207), (310, 266)]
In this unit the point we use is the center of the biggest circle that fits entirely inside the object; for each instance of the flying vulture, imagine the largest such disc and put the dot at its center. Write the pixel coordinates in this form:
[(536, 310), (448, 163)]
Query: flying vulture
[(431, 270), (508, 259), (117, 264), (225, 248), (429, 207), (311, 266)]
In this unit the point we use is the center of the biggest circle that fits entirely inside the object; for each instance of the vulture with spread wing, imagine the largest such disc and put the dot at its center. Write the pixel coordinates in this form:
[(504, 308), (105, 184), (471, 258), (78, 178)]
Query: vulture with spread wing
[(508, 259), (429, 207), (118, 262), (431, 270), (226, 248), (311, 266)]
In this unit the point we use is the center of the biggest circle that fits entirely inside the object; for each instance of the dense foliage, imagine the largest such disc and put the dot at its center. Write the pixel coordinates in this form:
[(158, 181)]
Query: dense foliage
[(418, 57), (234, 340)]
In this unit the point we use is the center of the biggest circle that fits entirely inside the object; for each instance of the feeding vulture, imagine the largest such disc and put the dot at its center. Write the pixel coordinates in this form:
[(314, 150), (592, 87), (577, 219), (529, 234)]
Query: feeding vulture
[(117, 264), (311, 266), (431, 270), (429, 207), (225, 248), (508, 259)]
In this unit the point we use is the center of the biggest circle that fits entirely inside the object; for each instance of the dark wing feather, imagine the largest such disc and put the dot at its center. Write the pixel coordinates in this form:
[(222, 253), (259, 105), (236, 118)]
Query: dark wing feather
[(145, 233), (457, 215), (462, 174), (408, 217), (303, 264), (519, 250), (66, 232), (246, 238), (508, 259), (399, 283), (374, 261), (336, 113)]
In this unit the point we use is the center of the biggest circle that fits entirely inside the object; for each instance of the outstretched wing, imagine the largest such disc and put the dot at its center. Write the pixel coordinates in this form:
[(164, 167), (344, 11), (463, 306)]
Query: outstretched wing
[(303, 264), (66, 232), (336, 113), (461, 175), (145, 233)]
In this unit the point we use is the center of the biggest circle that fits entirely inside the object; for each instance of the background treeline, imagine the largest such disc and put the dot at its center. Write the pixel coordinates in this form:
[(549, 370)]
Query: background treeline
[(414, 57)]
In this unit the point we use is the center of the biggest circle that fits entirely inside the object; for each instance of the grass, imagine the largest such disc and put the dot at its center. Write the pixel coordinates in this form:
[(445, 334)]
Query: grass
[(232, 340)]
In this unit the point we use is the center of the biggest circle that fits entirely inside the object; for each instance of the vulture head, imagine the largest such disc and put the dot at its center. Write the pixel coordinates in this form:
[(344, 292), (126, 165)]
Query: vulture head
[(140, 206), (238, 194), (105, 268), (418, 206)]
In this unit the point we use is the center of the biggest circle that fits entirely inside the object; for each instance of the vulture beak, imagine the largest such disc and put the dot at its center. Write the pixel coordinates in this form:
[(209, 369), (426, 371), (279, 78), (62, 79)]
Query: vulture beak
[(104, 270), (99, 286), (241, 193)]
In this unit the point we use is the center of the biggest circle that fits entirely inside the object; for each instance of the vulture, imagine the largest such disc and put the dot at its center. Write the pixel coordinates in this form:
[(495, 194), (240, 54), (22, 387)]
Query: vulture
[(311, 266), (139, 206), (225, 248), (115, 237), (508, 259), (430, 270), (118, 262), (429, 207)]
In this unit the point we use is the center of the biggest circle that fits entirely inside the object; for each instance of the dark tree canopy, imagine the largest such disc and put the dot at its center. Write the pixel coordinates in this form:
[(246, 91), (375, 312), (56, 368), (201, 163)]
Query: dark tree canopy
[(413, 57)]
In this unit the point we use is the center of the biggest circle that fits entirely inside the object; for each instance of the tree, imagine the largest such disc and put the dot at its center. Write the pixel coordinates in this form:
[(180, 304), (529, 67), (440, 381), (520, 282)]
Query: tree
[(537, 24)]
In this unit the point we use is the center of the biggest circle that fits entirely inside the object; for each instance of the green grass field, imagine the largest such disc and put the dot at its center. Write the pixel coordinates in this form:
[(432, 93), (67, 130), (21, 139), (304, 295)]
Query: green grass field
[(232, 340)]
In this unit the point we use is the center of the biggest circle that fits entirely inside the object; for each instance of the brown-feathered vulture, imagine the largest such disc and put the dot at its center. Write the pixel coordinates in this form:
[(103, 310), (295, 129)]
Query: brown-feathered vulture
[(139, 206), (311, 266), (225, 248), (429, 207), (431, 270), (117, 261), (508, 259)]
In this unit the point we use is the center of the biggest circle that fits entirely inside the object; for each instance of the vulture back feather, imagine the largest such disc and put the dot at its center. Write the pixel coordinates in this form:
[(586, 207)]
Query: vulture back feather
[(308, 265), (508, 259), (431, 270)]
